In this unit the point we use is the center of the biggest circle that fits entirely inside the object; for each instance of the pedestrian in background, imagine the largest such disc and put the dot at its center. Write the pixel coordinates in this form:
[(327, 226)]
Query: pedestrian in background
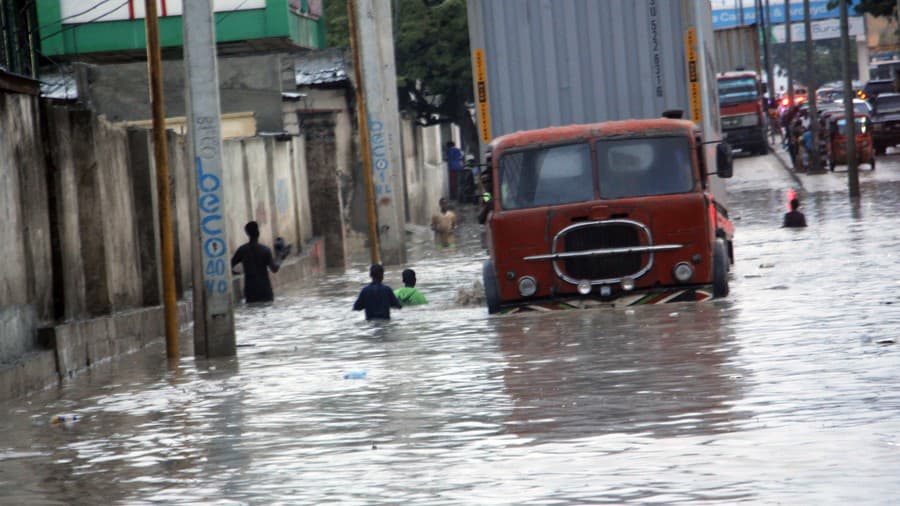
[(376, 298), (256, 261), (409, 295), (444, 225), (454, 169)]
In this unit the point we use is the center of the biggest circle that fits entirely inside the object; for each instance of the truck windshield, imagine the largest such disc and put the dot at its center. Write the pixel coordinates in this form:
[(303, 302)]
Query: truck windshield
[(644, 167), (732, 91), (546, 176)]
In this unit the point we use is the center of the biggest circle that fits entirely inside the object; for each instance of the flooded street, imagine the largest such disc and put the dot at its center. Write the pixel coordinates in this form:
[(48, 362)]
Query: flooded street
[(785, 392)]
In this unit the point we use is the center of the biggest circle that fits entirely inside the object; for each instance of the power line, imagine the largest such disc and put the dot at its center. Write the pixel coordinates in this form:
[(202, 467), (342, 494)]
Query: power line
[(60, 20), (228, 13), (69, 27)]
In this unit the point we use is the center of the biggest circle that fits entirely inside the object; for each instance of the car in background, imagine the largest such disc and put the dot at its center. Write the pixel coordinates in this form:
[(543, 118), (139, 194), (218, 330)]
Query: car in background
[(828, 95), (885, 121), (875, 87)]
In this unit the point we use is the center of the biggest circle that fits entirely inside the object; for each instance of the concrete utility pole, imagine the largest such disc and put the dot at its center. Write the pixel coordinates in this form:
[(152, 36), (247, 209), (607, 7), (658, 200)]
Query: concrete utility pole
[(790, 58), (213, 311), (161, 159), (363, 125), (811, 86), (770, 73), (852, 167), (375, 37)]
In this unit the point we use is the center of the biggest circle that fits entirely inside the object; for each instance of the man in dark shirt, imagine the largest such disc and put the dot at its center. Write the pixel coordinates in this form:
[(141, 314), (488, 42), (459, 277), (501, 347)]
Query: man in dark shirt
[(794, 218), (256, 259), (377, 299)]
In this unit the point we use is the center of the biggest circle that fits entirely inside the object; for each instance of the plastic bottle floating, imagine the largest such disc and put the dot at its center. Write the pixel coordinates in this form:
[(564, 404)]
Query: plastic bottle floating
[(355, 375), (56, 419)]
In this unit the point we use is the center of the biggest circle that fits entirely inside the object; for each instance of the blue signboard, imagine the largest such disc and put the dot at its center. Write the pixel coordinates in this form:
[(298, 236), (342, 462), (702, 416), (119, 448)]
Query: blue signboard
[(818, 9)]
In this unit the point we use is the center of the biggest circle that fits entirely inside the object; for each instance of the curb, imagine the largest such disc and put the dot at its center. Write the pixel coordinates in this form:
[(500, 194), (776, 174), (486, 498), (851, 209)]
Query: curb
[(788, 168)]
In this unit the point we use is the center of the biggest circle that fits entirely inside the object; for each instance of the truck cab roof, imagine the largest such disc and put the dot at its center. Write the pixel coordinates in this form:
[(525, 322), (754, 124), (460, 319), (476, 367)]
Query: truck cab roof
[(626, 128)]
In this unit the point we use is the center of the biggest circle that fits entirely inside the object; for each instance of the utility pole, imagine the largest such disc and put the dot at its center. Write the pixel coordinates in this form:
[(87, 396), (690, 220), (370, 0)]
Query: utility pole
[(213, 309), (375, 51), (161, 159), (811, 86), (770, 73), (852, 167), (363, 125), (790, 56)]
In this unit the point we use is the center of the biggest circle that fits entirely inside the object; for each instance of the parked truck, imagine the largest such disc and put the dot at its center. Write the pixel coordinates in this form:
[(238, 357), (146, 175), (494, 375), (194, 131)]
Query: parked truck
[(595, 196), (742, 103)]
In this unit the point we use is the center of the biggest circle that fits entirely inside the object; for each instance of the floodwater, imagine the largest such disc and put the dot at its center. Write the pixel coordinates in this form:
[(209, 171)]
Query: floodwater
[(785, 392)]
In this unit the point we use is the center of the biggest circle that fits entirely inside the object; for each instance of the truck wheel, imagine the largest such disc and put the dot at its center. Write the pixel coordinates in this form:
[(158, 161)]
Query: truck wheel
[(491, 290), (763, 148), (720, 269)]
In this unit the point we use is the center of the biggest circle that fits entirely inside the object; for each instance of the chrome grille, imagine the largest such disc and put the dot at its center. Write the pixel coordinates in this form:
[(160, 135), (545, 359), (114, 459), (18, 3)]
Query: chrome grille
[(601, 236)]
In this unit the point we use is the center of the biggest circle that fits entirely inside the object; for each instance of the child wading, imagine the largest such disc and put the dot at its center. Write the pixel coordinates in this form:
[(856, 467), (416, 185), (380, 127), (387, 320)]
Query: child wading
[(409, 295), (377, 299)]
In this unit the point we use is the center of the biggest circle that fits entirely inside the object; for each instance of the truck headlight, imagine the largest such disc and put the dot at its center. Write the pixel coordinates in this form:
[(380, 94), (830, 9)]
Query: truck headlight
[(627, 284), (683, 272), (584, 287), (527, 286)]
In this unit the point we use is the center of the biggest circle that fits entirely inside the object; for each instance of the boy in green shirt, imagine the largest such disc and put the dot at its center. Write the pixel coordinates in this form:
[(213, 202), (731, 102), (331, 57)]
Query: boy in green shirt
[(408, 295)]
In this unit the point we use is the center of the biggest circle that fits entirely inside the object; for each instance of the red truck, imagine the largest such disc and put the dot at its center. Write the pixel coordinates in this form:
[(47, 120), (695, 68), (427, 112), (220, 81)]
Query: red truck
[(620, 211), (743, 111)]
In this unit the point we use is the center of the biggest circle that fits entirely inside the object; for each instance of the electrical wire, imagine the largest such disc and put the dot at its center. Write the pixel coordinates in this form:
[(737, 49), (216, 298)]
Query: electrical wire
[(60, 20), (228, 13), (69, 27)]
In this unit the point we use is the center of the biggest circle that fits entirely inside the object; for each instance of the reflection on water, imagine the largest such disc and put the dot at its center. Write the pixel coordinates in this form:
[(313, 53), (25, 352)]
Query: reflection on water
[(781, 393), (599, 372)]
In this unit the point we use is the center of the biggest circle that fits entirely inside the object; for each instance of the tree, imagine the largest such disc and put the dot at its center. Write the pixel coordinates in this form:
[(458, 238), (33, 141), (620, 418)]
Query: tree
[(878, 8), (826, 61), (434, 71)]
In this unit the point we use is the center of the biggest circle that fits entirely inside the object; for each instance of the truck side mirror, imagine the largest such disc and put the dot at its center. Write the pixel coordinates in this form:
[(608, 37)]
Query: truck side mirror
[(724, 165)]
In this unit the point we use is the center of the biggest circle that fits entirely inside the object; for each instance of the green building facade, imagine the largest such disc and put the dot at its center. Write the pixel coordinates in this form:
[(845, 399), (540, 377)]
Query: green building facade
[(100, 28)]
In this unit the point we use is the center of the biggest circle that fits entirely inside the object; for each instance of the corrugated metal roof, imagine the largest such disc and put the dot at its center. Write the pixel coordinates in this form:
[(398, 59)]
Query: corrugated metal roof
[(321, 67), (59, 86)]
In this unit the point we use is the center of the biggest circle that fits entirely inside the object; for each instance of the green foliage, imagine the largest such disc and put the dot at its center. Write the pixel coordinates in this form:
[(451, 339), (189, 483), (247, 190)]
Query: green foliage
[(878, 8), (826, 64), (431, 40)]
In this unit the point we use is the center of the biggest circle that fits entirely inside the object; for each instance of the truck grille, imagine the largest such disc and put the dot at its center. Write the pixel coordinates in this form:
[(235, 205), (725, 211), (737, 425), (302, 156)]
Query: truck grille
[(599, 236)]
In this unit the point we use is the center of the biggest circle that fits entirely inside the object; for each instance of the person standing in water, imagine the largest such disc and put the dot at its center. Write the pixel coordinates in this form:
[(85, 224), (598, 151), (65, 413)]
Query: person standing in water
[(376, 298), (256, 260), (409, 295)]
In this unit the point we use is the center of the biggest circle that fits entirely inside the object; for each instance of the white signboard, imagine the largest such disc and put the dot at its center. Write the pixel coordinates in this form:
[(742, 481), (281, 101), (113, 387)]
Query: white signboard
[(76, 12), (822, 29)]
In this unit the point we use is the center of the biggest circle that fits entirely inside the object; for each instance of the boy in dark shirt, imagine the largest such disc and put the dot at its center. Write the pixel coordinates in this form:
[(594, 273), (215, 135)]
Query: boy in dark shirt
[(794, 218), (255, 259), (377, 299)]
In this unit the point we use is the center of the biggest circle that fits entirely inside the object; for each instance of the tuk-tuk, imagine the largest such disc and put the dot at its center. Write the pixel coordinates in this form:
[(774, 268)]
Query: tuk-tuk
[(836, 139)]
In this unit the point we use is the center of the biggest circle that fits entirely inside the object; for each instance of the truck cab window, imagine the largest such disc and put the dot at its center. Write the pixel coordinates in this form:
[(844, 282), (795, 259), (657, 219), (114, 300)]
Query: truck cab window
[(645, 167), (546, 176)]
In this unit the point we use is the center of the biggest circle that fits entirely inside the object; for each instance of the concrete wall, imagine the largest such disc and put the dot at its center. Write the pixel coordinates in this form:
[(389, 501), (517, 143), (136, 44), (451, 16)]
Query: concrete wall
[(246, 83), (78, 210), (425, 172)]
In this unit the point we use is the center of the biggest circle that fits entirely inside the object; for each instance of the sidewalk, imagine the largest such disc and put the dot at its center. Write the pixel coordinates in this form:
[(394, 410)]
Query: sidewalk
[(782, 155)]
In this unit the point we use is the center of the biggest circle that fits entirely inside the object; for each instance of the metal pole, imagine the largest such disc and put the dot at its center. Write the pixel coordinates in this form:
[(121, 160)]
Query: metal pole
[(852, 168), (790, 58), (811, 86), (770, 71), (365, 150), (215, 337), (161, 158)]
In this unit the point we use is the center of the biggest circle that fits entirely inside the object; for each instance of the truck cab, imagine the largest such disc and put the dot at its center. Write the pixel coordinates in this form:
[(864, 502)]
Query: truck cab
[(617, 212), (743, 111)]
